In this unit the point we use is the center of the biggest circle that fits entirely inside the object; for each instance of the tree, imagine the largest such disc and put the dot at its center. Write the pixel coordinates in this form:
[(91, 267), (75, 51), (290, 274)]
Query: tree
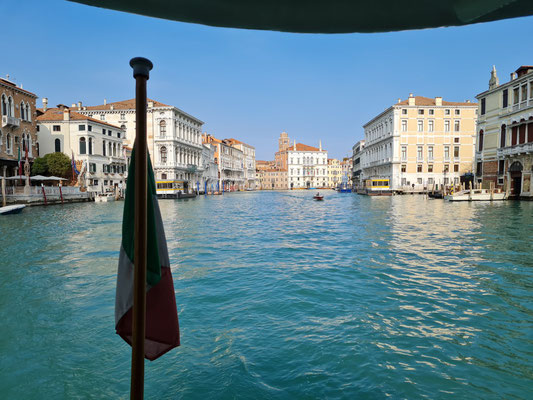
[(40, 166), (58, 164)]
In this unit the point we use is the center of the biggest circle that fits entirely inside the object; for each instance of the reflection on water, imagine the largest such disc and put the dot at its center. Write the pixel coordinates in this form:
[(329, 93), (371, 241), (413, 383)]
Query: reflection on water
[(280, 297)]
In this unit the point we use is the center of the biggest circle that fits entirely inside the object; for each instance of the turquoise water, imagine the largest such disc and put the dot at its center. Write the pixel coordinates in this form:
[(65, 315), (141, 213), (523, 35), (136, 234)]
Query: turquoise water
[(280, 297)]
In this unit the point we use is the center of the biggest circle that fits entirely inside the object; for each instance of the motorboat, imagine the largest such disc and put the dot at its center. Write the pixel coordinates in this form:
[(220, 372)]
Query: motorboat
[(104, 198), (477, 195), (318, 197), (14, 209)]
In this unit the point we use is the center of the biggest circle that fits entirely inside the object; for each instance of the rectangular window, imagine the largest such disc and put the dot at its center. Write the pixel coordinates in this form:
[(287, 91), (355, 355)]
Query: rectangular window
[(102, 117), (505, 98), (447, 111), (455, 167), (123, 116), (430, 181), (404, 125), (404, 181), (38, 128), (430, 153), (483, 106), (524, 92), (420, 153), (108, 133), (90, 128), (404, 153), (56, 128), (431, 125), (479, 169), (404, 168), (431, 112), (421, 112), (430, 168), (456, 140), (457, 125), (457, 112), (420, 125), (456, 151), (81, 127), (501, 167), (446, 168), (447, 125), (419, 181), (516, 95), (419, 168), (446, 152), (103, 131), (404, 111)]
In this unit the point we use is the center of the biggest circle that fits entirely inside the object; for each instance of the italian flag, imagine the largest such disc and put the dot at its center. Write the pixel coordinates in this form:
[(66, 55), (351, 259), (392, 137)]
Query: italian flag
[(162, 329)]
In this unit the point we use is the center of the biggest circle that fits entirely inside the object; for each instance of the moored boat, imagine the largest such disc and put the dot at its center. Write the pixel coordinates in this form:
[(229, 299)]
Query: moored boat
[(14, 209), (477, 195), (104, 198)]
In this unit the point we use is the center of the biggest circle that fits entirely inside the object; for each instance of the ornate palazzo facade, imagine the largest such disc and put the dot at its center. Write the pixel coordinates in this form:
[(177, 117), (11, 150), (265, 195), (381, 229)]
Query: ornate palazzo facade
[(174, 137)]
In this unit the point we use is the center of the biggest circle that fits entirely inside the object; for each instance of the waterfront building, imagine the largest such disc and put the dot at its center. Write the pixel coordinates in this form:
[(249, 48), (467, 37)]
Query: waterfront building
[(334, 172), (280, 157), (18, 129), (249, 162), (174, 137), (357, 155), (504, 151), (230, 163), (273, 179), (420, 142), (210, 168), (346, 170), (97, 146), (306, 166)]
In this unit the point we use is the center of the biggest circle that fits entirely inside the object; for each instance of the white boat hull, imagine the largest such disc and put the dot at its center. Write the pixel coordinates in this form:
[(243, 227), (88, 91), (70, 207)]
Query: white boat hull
[(15, 209), (104, 199), (476, 195)]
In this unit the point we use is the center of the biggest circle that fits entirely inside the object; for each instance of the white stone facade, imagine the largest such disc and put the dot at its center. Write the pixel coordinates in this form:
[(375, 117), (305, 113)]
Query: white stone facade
[(307, 167)]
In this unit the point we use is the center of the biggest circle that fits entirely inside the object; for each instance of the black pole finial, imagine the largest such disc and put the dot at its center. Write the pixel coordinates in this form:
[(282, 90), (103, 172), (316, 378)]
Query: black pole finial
[(141, 67)]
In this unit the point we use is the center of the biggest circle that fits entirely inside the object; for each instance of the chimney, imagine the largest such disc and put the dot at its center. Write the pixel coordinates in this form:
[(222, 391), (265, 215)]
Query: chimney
[(79, 105), (150, 104), (105, 102), (294, 148), (438, 101), (399, 100), (411, 99), (112, 107), (513, 76), (66, 114), (73, 105), (320, 145), (45, 103), (468, 101)]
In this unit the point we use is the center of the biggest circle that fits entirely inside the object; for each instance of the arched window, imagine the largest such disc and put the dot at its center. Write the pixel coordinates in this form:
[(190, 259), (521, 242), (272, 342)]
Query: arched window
[(28, 112), (57, 146), (110, 149), (480, 140), (22, 111), (10, 106), (8, 143), (163, 153), (502, 135), (103, 147), (123, 127), (114, 149), (37, 148), (90, 145), (24, 142), (4, 105), (163, 129), (83, 146)]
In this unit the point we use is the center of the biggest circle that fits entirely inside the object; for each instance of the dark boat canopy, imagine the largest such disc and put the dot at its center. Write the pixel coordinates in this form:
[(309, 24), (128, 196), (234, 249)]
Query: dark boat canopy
[(324, 16)]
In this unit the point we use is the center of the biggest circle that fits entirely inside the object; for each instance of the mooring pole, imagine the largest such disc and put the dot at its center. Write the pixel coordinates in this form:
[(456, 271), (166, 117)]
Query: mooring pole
[(141, 73)]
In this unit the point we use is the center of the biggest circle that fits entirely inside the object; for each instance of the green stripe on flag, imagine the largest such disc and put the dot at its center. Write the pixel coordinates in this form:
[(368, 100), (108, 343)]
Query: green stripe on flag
[(153, 272)]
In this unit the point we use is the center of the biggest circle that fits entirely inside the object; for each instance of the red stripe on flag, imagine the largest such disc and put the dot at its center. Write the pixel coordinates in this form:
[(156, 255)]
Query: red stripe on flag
[(162, 326)]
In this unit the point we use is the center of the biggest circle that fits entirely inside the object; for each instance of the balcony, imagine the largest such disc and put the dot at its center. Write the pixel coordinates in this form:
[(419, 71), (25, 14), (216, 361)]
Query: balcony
[(524, 148), (191, 168), (10, 121)]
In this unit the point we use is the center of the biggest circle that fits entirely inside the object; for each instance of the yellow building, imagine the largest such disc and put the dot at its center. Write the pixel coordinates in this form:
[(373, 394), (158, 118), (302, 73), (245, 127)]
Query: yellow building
[(420, 142), (504, 156), (334, 172)]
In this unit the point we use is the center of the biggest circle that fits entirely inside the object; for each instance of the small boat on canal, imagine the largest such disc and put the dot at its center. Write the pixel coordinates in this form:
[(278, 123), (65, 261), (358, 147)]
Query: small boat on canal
[(318, 197), (477, 195), (14, 209)]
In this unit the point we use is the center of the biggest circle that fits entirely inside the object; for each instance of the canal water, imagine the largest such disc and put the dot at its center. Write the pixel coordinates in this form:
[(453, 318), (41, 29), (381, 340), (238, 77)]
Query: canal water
[(279, 297)]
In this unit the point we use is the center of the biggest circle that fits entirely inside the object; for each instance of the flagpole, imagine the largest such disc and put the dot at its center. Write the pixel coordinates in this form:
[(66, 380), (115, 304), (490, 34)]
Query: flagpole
[(141, 73)]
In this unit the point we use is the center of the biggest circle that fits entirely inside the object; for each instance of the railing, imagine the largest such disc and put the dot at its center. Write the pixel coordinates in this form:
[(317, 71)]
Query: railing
[(37, 190), (517, 149), (10, 121)]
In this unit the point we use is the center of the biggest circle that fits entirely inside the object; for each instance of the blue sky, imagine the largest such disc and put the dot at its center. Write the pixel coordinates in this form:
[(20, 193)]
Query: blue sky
[(252, 85)]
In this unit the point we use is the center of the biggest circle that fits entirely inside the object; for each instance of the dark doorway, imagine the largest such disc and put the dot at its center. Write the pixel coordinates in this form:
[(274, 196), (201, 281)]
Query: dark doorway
[(515, 171)]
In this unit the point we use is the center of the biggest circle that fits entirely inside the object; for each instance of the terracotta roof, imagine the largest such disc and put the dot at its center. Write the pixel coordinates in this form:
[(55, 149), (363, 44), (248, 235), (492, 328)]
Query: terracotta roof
[(11, 84), (303, 147), (56, 114), (426, 101), (122, 105)]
